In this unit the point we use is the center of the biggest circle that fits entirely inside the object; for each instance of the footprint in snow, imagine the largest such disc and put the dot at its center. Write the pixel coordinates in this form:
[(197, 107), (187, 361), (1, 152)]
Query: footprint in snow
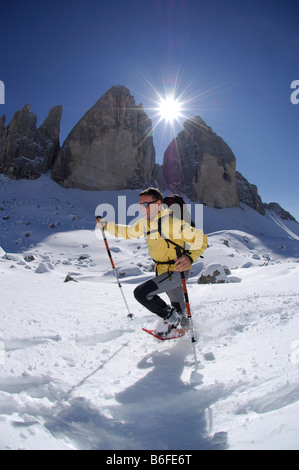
[(101, 337), (24, 343)]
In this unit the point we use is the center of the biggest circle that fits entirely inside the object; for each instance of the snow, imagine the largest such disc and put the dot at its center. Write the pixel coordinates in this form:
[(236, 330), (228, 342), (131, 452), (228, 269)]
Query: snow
[(76, 373)]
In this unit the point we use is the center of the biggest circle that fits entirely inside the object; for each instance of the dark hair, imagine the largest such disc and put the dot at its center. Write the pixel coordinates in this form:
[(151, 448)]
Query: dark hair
[(154, 192)]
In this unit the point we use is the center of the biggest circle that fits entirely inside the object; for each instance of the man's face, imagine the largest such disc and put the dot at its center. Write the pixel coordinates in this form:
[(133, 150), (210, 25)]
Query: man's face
[(153, 206)]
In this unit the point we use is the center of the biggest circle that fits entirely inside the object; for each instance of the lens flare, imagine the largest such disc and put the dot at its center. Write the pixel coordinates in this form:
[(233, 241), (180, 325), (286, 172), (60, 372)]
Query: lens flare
[(169, 109)]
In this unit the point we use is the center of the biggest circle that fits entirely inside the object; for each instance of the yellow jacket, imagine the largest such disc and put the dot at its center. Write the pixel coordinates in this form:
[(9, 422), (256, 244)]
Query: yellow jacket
[(192, 241)]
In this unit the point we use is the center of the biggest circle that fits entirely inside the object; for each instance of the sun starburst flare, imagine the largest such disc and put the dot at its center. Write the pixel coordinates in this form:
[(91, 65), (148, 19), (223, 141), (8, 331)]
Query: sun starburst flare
[(170, 109)]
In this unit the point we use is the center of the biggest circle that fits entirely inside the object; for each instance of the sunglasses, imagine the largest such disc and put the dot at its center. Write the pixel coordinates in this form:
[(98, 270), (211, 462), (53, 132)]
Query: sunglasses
[(147, 204)]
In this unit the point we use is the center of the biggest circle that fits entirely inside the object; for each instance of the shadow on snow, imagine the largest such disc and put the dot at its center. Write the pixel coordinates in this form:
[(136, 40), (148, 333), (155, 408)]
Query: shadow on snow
[(158, 412)]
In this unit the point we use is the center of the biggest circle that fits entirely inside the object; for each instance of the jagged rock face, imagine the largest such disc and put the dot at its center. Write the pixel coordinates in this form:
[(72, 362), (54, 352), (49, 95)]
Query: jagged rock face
[(158, 179), (25, 151), (200, 164), (49, 135), (283, 214), (248, 194), (111, 147)]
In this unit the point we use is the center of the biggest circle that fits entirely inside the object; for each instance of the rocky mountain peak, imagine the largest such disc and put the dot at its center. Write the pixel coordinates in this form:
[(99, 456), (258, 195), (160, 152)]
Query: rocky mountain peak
[(25, 151), (201, 165), (110, 148)]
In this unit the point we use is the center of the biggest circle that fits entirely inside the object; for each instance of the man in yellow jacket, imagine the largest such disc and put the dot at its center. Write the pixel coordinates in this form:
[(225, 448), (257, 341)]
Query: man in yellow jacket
[(164, 234)]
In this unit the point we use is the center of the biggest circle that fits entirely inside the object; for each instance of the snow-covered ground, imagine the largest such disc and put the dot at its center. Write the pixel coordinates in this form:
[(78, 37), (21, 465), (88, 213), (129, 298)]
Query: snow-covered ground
[(76, 373)]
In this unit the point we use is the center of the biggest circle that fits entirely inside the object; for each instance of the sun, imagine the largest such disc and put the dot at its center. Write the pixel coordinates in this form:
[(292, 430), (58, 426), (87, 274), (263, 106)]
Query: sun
[(169, 109)]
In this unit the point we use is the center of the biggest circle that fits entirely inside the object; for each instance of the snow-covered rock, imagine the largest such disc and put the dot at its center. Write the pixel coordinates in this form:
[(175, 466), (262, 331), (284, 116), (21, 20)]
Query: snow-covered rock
[(214, 273)]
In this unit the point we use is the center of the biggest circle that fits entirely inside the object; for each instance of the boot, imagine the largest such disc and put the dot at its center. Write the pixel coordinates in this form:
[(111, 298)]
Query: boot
[(171, 322)]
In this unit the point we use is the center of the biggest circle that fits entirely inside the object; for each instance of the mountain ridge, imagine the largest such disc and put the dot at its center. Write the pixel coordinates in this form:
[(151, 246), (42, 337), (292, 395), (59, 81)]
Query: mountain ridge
[(111, 148)]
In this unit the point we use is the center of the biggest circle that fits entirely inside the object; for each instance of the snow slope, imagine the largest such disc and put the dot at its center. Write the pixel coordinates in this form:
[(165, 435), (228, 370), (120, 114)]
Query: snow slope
[(75, 373)]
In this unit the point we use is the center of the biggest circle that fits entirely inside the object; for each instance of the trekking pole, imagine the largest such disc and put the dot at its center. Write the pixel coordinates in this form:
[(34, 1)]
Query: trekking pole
[(130, 315), (193, 340)]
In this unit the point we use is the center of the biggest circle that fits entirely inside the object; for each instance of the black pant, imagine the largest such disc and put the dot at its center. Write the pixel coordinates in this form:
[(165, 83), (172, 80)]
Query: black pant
[(169, 283)]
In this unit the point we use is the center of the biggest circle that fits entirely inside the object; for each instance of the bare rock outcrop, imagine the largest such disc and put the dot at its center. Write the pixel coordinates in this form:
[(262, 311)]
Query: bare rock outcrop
[(201, 165), (49, 135), (25, 151), (278, 210), (110, 148), (248, 194)]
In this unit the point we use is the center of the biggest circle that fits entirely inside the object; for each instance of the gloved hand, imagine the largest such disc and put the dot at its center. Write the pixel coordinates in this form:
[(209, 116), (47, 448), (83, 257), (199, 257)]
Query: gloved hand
[(101, 222)]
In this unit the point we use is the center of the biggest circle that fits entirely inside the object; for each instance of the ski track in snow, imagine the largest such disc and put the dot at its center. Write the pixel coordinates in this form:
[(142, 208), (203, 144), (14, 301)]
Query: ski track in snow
[(75, 373)]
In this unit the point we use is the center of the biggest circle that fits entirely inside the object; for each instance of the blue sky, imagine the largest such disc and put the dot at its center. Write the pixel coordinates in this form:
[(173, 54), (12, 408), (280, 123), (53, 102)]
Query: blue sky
[(232, 61)]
